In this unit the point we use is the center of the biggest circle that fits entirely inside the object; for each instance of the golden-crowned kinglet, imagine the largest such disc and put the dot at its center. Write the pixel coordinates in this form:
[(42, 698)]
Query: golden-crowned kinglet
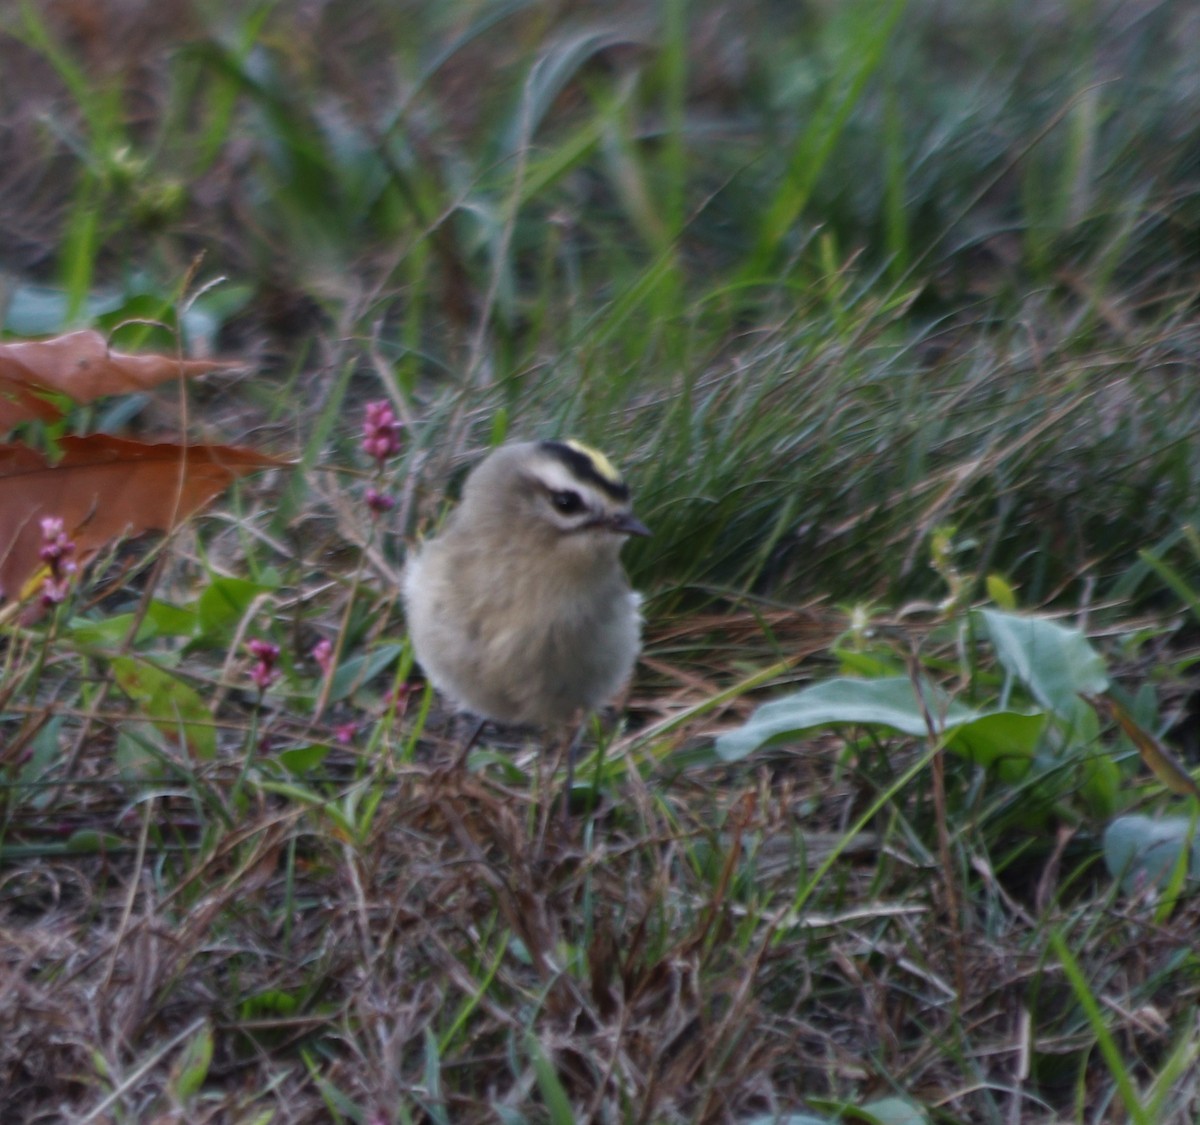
[(519, 610)]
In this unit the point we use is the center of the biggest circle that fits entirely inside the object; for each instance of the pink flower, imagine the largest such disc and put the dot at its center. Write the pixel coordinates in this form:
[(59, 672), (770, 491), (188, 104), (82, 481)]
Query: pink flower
[(381, 432), (322, 653), (54, 590), (264, 673), (379, 502), (54, 552)]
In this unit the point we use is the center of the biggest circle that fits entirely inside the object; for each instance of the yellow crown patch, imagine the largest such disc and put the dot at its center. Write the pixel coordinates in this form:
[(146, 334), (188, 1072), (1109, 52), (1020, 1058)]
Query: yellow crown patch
[(603, 466)]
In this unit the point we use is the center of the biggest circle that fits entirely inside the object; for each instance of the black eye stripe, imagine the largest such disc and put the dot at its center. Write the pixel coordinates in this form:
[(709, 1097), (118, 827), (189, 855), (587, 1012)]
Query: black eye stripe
[(567, 502)]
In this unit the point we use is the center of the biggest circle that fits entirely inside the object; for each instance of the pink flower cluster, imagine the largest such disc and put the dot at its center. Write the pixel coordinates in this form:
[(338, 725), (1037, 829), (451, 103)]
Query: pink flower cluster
[(55, 553), (381, 440), (381, 432), (378, 502), (264, 673)]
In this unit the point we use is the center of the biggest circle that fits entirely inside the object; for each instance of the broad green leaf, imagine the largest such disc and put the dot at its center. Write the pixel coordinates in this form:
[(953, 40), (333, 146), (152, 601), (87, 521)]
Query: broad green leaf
[(1005, 740), (1056, 664), (890, 702), (1143, 851), (167, 620), (790, 1119), (300, 759), (177, 710), (105, 633), (161, 619), (223, 604), (891, 1111)]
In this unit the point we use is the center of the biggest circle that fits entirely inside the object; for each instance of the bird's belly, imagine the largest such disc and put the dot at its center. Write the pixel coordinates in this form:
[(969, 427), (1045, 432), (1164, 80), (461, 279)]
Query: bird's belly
[(545, 672)]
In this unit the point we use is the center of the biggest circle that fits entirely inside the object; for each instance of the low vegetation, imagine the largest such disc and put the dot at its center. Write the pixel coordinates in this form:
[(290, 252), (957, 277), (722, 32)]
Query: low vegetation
[(888, 311)]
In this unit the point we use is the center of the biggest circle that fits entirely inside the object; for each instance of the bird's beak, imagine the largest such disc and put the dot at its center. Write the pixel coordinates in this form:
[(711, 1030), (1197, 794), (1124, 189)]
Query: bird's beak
[(626, 523)]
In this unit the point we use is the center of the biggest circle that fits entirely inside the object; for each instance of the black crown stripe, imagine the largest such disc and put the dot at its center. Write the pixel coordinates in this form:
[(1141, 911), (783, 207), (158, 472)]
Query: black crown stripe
[(583, 467)]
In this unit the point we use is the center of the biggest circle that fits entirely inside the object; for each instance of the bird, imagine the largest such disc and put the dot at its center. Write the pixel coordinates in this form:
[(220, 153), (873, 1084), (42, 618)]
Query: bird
[(518, 609)]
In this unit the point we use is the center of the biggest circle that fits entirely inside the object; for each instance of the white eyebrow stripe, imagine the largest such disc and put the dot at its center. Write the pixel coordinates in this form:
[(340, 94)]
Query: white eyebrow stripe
[(558, 478)]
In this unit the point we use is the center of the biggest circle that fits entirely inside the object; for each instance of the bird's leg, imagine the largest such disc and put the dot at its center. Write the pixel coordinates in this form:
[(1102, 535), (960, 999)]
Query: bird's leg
[(460, 763), (555, 744), (573, 737)]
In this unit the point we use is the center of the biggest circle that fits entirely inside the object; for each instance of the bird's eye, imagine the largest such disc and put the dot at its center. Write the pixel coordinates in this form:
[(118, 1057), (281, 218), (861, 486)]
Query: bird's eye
[(566, 502)]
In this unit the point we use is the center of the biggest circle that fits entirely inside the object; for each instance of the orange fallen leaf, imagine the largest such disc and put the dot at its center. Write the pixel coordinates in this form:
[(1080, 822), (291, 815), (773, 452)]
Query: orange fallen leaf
[(104, 488), (81, 366), (20, 404)]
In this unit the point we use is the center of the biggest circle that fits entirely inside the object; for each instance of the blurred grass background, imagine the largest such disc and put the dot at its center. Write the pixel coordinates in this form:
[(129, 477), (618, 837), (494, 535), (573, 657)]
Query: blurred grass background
[(823, 276)]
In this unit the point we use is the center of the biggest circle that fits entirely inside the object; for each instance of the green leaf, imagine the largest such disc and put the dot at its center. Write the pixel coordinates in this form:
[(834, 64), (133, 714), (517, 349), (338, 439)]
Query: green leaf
[(223, 604), (301, 795), (300, 759), (137, 754), (790, 1119), (40, 310), (435, 1099), (892, 1111), (268, 1003), (887, 702), (103, 634), (557, 1103), (1005, 740), (1056, 664), (1173, 580), (1001, 592), (553, 69), (1101, 787), (87, 841), (870, 665), (175, 709), (161, 619), (44, 753), (166, 620), (361, 669), (1143, 851), (890, 702), (191, 1070)]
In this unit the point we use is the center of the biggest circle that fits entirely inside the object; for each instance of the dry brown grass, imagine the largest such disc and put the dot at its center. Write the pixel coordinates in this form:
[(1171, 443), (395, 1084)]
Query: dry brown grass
[(652, 952)]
